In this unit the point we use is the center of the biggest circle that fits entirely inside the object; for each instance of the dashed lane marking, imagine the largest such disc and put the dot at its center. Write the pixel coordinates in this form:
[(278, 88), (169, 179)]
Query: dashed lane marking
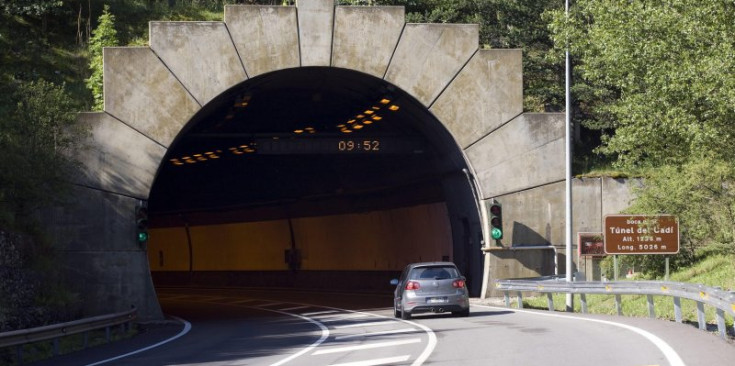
[(366, 324), (376, 362), (313, 313), (337, 318), (295, 308), (385, 332), (366, 346)]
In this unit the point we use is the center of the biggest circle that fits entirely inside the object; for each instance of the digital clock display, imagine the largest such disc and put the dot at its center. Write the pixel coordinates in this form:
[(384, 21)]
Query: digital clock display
[(330, 145)]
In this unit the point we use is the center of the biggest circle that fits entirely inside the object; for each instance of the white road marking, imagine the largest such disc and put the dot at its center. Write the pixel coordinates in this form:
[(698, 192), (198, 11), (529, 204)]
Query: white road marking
[(295, 308), (665, 348), (319, 312), (385, 332), (367, 324), (325, 335), (366, 346), (375, 362), (187, 328), (337, 318), (268, 304)]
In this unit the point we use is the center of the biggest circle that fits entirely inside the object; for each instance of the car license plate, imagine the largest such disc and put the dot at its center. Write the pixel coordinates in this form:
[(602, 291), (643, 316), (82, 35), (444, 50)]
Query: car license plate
[(436, 300)]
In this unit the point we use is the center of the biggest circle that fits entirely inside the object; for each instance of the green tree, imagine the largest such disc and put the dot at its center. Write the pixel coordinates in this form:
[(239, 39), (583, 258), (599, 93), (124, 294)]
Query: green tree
[(701, 194), (36, 139), (104, 35), (658, 76)]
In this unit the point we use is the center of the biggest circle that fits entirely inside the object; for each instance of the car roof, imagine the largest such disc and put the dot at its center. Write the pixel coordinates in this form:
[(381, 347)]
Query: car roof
[(427, 264)]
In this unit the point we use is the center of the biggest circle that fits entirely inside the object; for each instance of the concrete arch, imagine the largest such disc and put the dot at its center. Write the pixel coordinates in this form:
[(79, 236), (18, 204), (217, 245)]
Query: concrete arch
[(152, 92)]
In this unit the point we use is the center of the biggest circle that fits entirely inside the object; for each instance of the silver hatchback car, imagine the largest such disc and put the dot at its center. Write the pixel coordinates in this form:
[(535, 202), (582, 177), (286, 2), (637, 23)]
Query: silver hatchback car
[(435, 287)]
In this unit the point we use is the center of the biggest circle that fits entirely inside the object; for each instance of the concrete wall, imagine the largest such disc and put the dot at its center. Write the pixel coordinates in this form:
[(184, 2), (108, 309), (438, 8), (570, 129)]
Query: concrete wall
[(536, 217)]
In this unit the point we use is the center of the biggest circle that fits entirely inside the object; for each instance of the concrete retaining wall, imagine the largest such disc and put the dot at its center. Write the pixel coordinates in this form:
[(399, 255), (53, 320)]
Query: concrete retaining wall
[(536, 217)]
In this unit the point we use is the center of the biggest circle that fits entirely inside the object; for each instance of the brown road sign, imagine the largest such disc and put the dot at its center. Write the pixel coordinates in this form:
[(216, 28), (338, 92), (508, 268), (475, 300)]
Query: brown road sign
[(641, 234)]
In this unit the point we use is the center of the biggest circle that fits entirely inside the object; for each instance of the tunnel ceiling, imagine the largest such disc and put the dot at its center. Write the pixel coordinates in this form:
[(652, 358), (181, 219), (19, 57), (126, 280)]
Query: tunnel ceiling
[(302, 142)]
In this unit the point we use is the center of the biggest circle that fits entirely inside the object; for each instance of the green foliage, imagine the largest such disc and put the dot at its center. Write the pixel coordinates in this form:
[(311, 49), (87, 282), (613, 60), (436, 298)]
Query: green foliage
[(702, 195), (104, 35), (34, 137), (658, 77), (30, 7)]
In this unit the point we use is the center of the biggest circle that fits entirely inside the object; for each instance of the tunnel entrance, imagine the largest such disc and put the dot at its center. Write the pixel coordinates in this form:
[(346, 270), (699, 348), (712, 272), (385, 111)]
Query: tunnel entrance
[(314, 177)]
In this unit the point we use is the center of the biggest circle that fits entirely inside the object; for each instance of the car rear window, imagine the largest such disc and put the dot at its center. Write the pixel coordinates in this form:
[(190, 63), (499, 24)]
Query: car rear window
[(434, 272)]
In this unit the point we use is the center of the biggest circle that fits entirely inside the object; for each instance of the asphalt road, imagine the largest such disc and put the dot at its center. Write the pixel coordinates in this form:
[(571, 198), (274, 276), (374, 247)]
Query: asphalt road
[(237, 327)]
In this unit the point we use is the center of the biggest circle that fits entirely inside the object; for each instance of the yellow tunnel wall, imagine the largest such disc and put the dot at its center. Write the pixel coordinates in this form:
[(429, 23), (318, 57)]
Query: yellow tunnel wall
[(377, 240)]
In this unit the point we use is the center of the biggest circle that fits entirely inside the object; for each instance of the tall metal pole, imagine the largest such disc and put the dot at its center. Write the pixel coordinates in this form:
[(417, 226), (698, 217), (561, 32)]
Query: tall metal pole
[(568, 136)]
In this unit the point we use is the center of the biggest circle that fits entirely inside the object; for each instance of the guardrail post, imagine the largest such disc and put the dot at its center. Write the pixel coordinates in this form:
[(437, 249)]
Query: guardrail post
[(721, 327), (507, 299), (19, 350), (618, 307), (651, 309), (583, 302), (520, 300), (700, 316), (107, 334), (56, 346), (550, 301), (677, 309), (86, 339)]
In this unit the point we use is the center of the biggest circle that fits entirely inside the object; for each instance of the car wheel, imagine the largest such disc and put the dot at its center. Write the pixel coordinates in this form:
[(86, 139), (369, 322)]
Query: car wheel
[(405, 315), (396, 313), (464, 313)]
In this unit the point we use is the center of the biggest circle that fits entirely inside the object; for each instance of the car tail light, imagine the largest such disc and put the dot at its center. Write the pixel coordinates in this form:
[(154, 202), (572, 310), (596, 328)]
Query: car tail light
[(412, 285), (458, 283)]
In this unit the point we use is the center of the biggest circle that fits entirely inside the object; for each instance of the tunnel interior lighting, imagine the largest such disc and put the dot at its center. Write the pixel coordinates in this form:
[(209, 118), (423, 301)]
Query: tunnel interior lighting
[(384, 101), (357, 126), (394, 107)]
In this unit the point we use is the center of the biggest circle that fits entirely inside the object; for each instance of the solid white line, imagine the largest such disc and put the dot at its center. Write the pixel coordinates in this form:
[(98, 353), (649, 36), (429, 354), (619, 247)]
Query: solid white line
[(270, 304), (369, 324), (295, 308), (320, 312), (325, 335), (386, 332), (668, 351), (375, 362), (337, 318), (366, 346), (187, 328)]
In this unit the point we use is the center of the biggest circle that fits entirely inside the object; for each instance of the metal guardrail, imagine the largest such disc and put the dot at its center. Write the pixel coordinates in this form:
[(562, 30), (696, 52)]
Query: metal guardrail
[(54, 332), (722, 301)]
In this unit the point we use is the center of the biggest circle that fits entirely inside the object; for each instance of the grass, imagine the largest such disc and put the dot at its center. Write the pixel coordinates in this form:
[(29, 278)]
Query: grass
[(714, 271)]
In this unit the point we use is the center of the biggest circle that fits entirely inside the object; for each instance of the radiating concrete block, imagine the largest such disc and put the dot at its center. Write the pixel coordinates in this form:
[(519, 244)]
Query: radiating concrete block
[(487, 93), (143, 93), (429, 56), (117, 158), (266, 37), (365, 37), (316, 19), (211, 64), (525, 153)]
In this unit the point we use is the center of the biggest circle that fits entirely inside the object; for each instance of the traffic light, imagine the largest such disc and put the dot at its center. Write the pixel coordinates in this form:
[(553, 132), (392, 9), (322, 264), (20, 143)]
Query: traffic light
[(496, 220), (141, 222)]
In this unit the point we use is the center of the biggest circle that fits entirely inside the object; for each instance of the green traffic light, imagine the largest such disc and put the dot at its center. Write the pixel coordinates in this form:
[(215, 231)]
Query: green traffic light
[(142, 237), (496, 233)]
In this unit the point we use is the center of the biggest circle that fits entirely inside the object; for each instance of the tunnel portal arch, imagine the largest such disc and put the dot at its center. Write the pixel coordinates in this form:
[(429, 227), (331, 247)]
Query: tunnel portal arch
[(151, 94)]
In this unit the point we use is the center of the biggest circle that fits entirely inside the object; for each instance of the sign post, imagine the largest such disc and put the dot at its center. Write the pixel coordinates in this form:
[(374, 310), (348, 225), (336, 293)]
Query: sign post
[(641, 234)]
